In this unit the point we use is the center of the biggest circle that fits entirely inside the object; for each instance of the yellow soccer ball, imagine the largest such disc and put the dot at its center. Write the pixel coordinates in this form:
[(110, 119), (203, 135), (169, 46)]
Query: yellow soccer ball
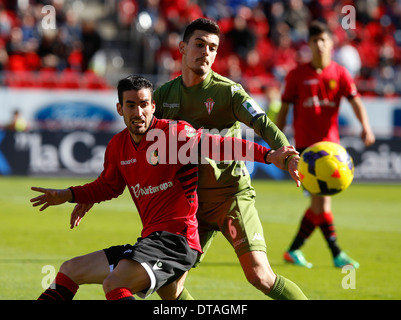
[(325, 168)]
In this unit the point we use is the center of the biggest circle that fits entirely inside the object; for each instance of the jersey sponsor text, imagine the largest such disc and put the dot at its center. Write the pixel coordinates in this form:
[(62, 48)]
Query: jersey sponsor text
[(138, 191)]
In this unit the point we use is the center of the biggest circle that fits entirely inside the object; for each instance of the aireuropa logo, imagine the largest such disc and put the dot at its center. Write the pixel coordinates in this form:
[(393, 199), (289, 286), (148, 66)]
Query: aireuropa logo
[(138, 191)]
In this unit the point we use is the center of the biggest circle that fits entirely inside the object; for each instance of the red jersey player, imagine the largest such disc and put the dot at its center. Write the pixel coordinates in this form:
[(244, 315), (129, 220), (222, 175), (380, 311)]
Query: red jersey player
[(315, 90), (150, 157)]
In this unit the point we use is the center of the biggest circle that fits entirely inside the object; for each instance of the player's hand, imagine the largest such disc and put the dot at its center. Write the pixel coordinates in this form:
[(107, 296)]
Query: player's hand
[(293, 170), (78, 213), (368, 137), (50, 197), (279, 156)]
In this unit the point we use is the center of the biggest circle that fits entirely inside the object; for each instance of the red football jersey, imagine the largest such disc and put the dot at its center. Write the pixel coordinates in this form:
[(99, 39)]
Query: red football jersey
[(316, 98), (161, 175)]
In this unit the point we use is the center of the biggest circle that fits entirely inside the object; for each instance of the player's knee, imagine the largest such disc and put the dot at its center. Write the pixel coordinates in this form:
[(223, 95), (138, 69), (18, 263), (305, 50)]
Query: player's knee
[(73, 270), (261, 280), (109, 283), (171, 291), (69, 269), (113, 281)]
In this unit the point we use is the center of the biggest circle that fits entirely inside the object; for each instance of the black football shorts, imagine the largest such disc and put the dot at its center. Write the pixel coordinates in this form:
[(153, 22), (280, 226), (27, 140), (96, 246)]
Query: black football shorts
[(165, 257)]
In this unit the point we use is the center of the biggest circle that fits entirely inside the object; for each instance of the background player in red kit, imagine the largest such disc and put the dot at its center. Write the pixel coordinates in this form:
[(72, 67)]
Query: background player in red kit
[(315, 90), (164, 193)]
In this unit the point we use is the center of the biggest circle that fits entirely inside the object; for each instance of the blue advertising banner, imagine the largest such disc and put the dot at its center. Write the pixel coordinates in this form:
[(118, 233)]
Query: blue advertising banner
[(81, 153)]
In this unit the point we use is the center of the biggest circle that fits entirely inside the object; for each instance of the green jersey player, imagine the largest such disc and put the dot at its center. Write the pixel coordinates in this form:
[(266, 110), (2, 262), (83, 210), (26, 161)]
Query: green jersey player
[(218, 105), (226, 198)]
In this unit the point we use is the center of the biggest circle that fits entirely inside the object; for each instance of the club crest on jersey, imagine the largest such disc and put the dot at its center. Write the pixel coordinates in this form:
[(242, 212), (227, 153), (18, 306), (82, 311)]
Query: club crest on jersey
[(332, 84), (209, 105), (154, 158)]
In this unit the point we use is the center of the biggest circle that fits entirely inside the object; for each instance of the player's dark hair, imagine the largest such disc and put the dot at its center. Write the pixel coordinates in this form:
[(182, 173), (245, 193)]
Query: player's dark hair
[(317, 27), (133, 82), (201, 24)]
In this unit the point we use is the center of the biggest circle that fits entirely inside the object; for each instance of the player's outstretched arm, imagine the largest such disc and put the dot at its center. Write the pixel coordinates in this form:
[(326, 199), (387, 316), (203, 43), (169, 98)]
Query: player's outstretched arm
[(78, 213), (50, 197), (367, 134)]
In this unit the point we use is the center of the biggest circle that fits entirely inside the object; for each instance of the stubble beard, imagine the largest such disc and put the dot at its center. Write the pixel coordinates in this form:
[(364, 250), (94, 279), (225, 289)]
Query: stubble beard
[(200, 71)]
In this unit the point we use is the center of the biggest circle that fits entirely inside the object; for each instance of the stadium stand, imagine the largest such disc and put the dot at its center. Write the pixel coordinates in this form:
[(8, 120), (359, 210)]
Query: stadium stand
[(96, 41)]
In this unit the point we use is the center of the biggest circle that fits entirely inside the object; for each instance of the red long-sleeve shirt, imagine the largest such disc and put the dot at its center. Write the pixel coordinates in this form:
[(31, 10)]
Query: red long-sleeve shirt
[(162, 174), (316, 98)]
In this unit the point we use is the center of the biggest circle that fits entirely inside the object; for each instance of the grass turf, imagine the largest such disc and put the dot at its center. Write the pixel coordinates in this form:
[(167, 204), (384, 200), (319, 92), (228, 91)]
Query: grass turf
[(367, 216)]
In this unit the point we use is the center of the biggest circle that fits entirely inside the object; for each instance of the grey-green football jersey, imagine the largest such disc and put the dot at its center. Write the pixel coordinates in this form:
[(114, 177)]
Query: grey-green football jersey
[(217, 104)]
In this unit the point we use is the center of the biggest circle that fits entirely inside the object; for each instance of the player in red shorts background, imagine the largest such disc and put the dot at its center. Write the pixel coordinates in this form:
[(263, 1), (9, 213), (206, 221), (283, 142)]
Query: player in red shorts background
[(315, 90)]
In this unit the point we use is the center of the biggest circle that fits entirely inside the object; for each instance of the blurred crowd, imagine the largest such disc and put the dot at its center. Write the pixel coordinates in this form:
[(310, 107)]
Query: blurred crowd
[(261, 40), (38, 52)]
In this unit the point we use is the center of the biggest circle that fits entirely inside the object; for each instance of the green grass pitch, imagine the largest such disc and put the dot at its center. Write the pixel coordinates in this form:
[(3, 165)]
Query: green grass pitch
[(367, 216)]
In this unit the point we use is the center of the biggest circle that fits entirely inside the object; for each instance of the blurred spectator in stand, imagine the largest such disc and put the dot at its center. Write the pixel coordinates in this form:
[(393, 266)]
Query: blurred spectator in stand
[(6, 23), (368, 49), (70, 30), (234, 71), (3, 56), (254, 73), (75, 56), (169, 56), (274, 28), (127, 11), (241, 37), (15, 44), (264, 48), (29, 27), (389, 53), (91, 42), (18, 123), (16, 66), (365, 82), (284, 55), (385, 80), (275, 15), (52, 51), (298, 17), (259, 23), (347, 55)]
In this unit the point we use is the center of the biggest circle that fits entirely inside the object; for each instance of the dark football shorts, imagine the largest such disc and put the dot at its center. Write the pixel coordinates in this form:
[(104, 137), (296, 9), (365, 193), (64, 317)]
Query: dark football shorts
[(165, 257)]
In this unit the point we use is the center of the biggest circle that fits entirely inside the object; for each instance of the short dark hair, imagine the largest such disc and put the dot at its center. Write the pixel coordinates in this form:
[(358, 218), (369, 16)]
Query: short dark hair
[(201, 24), (133, 82), (317, 27)]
